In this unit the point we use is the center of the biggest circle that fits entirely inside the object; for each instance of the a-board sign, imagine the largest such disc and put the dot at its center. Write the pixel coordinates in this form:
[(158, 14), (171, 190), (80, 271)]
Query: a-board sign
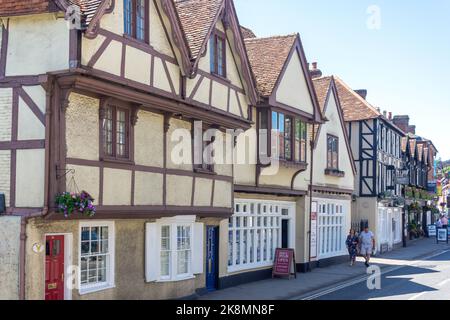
[(284, 264), (442, 235), (432, 230)]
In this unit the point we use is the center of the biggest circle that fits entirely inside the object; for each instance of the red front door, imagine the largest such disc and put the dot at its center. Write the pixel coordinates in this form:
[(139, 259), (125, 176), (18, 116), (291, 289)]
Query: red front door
[(54, 268)]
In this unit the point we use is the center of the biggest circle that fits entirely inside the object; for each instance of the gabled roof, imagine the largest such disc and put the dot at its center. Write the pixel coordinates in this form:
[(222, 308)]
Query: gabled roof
[(247, 33), (413, 147), (354, 107), (325, 87), (196, 18), (267, 58), (404, 144)]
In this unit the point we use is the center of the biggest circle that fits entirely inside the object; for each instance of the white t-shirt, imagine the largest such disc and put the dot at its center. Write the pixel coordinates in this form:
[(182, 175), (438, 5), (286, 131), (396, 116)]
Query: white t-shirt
[(366, 239)]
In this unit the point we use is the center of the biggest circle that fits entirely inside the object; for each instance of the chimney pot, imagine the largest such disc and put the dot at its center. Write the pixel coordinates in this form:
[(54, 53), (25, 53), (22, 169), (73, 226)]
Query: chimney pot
[(362, 93), (390, 115), (385, 113), (314, 66)]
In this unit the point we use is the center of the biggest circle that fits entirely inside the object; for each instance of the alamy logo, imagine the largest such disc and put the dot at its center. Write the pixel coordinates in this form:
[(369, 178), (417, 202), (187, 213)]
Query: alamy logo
[(374, 20), (374, 279)]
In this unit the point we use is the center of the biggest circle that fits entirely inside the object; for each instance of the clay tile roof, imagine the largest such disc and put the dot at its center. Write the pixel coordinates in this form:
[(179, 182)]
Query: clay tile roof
[(322, 86), (196, 18), (24, 7), (88, 8), (247, 33), (354, 107), (267, 57)]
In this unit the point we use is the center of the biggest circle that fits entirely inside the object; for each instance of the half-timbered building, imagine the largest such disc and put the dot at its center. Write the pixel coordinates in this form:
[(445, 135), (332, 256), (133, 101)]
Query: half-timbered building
[(376, 145), (333, 179), (271, 189), (103, 96)]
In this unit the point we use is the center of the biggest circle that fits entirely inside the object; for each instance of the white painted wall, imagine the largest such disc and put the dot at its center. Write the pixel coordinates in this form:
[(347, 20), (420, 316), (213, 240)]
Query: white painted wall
[(37, 44), (293, 89), (9, 257)]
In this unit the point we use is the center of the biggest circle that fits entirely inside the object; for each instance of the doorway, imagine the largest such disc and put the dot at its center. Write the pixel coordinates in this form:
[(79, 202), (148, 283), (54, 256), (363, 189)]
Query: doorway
[(212, 254), (285, 234), (54, 267)]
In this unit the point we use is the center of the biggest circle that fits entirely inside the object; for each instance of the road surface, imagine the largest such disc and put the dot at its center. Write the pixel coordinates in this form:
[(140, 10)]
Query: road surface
[(427, 279)]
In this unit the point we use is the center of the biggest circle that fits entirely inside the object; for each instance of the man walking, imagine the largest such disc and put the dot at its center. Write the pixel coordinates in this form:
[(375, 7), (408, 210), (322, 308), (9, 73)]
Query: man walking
[(367, 241)]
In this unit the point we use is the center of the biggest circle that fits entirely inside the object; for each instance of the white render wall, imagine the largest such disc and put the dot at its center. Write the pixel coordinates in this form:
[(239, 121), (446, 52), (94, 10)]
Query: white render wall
[(9, 257)]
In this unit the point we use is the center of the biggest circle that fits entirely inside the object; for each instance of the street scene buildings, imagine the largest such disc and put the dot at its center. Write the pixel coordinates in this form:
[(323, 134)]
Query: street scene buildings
[(157, 149)]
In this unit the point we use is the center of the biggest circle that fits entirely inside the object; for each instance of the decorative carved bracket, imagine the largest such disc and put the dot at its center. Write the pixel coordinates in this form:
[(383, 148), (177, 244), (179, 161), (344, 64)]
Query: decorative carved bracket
[(167, 117), (64, 98), (134, 115)]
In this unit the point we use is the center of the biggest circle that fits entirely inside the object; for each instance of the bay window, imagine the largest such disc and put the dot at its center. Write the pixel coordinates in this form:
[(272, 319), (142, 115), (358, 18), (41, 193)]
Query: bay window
[(96, 257), (255, 231), (288, 136), (174, 249), (332, 152)]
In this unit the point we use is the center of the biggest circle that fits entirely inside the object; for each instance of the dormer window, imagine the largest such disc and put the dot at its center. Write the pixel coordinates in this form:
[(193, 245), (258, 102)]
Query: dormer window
[(218, 55), (136, 19)]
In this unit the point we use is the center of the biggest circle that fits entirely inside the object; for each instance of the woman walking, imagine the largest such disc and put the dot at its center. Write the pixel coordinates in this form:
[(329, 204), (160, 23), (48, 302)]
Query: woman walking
[(352, 246)]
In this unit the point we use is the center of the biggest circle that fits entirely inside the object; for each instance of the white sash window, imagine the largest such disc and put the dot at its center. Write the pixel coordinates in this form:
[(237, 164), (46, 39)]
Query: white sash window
[(174, 249), (332, 228)]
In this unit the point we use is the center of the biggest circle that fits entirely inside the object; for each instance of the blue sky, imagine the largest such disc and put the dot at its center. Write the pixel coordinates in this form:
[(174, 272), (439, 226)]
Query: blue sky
[(404, 64)]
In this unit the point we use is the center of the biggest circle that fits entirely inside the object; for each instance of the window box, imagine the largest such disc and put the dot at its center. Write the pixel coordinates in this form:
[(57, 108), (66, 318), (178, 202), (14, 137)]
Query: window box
[(334, 173)]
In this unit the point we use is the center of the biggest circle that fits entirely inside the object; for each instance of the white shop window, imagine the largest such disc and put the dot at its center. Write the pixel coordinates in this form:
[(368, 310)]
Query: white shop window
[(332, 230), (96, 257), (174, 249), (254, 233)]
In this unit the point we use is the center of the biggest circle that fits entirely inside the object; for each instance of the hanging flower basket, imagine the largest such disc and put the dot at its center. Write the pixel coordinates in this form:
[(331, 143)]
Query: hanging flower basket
[(69, 203)]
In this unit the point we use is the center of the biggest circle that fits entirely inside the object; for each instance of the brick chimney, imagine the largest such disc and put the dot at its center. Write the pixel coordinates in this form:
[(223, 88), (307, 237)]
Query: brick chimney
[(412, 129), (314, 71), (362, 93), (402, 122)]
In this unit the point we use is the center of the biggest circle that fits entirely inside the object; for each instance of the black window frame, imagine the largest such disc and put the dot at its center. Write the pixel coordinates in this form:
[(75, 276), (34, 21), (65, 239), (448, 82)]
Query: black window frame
[(130, 27)]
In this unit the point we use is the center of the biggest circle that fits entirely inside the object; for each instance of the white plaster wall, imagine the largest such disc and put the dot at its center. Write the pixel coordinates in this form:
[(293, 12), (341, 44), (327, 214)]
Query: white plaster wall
[(116, 187), (160, 79), (5, 173), (89, 47), (5, 114), (30, 127), (293, 89), (148, 139), (179, 141), (38, 95), (333, 127), (111, 59), (44, 49), (220, 96), (137, 65), (158, 37), (203, 189), (179, 190), (148, 189), (30, 172), (9, 257), (222, 194), (86, 178), (82, 127)]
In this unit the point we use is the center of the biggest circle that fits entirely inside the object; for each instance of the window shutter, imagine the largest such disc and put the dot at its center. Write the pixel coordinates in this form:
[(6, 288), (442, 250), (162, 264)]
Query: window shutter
[(198, 249), (151, 252)]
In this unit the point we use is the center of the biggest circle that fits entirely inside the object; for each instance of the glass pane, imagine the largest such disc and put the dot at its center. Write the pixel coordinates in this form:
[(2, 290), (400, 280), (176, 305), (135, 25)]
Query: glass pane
[(104, 233), (84, 247), (104, 246), (165, 263), (212, 46), (183, 262), (94, 247), (95, 233), (140, 20), (230, 248), (56, 247), (84, 233)]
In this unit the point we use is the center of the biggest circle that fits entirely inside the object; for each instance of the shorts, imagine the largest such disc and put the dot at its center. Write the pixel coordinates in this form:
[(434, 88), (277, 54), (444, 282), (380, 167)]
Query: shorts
[(366, 250)]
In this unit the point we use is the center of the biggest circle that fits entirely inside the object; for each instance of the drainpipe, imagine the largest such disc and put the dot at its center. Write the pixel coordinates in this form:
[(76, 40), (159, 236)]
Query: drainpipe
[(312, 144), (22, 250)]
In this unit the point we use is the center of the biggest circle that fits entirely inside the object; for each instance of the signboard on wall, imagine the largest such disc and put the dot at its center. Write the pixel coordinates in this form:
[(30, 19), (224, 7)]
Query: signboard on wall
[(284, 263), (314, 234)]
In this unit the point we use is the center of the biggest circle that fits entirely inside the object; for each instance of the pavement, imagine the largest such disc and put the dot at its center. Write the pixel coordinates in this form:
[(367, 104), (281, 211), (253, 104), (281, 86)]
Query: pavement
[(323, 282)]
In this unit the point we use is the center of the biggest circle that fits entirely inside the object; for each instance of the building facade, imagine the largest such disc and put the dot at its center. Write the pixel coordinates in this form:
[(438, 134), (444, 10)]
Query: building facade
[(109, 108), (333, 179)]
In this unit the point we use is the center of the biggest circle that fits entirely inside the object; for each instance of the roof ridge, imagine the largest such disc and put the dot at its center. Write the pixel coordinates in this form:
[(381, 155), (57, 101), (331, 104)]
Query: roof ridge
[(364, 101), (272, 37)]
